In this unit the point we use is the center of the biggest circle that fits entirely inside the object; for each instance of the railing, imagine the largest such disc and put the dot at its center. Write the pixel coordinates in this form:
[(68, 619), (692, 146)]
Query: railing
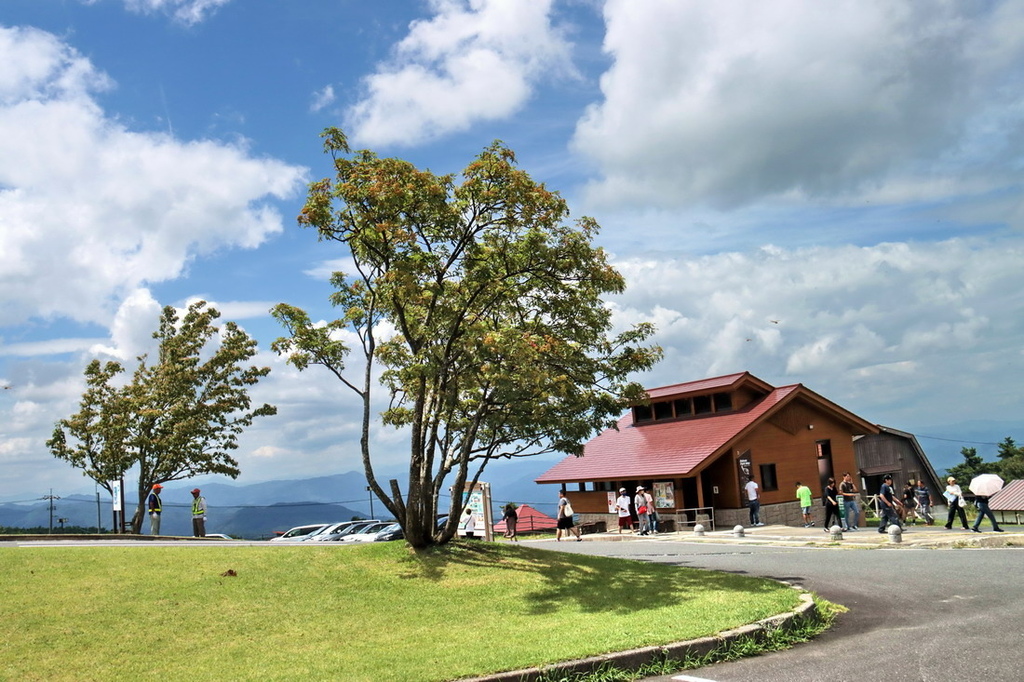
[(684, 518)]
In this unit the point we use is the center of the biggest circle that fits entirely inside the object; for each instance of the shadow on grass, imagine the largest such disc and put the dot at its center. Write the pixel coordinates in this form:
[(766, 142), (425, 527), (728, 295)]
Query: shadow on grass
[(595, 584)]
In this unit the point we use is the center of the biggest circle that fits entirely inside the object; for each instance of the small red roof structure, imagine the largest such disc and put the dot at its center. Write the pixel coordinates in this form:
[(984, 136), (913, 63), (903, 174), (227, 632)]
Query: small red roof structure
[(1009, 499), (529, 520)]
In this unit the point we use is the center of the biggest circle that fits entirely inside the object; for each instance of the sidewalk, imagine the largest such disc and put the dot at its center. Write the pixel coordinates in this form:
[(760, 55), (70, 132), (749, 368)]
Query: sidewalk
[(935, 537)]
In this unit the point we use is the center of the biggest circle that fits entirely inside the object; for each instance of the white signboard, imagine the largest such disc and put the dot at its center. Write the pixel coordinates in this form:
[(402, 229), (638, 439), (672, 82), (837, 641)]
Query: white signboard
[(115, 490)]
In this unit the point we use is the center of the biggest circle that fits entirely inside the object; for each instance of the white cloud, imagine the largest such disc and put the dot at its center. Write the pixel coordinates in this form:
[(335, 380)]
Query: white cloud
[(897, 327), (473, 60), (90, 210), (731, 103), (186, 11), (323, 98)]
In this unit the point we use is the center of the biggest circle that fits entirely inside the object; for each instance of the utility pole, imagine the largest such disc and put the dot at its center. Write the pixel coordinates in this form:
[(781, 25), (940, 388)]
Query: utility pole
[(51, 497), (98, 516), (371, 500)]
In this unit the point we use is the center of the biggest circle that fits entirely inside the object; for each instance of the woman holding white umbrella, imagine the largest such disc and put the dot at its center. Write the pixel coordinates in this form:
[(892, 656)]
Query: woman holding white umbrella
[(984, 486), (955, 497)]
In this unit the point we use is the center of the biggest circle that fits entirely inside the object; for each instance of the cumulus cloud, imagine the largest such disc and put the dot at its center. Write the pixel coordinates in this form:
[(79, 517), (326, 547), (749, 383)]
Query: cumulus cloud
[(727, 104), (322, 98), (90, 210), (473, 60), (895, 326)]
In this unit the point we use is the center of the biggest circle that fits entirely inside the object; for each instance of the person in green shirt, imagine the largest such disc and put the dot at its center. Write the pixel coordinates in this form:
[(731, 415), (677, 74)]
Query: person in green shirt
[(803, 493)]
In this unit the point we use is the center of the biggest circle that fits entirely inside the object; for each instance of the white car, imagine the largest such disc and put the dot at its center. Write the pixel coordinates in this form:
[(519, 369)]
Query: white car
[(299, 533), (334, 531), (219, 536), (367, 534)]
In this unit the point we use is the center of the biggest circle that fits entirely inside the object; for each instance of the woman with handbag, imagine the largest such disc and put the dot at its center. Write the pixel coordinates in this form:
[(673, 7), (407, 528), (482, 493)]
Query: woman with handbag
[(640, 502), (564, 519), (955, 497)]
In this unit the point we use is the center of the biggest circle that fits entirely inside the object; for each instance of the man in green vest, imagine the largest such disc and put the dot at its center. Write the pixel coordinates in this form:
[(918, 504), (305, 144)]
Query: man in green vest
[(155, 508), (198, 514)]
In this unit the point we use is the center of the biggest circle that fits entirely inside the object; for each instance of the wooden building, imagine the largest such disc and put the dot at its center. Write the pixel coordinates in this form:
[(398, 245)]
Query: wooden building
[(895, 452), (694, 446)]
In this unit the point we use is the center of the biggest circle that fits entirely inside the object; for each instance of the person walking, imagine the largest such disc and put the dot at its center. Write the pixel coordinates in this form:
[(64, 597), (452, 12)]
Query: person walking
[(564, 519), (887, 511), (983, 511), (955, 497), (640, 502), (924, 502), (511, 518), (910, 504), (803, 493), (652, 513), (753, 502), (831, 505), (848, 491), (198, 514), (155, 507), (622, 507)]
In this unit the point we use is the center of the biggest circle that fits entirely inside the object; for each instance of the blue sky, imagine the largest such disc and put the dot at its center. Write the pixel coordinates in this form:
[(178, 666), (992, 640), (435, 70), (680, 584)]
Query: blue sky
[(819, 193)]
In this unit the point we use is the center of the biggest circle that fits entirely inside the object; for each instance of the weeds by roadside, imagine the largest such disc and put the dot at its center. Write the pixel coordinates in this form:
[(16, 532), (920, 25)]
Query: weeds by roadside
[(775, 639)]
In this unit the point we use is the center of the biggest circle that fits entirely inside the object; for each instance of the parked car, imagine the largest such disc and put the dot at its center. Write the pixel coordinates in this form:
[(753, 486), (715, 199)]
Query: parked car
[(367, 534), (219, 536), (324, 534), (389, 533), (299, 533), (343, 533)]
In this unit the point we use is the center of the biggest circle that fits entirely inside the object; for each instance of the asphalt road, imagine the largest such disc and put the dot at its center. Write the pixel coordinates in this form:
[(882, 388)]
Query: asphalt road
[(935, 615)]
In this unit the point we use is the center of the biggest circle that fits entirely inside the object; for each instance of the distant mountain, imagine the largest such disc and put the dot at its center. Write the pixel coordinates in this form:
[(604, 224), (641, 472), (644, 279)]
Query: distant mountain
[(258, 510), (942, 443)]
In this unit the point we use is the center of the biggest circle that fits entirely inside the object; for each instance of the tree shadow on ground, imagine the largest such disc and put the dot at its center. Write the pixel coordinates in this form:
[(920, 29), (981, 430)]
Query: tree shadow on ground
[(595, 584)]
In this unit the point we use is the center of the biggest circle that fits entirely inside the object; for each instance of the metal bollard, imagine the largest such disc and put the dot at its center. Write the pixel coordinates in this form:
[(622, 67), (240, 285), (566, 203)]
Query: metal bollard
[(737, 531), (895, 534), (698, 530), (835, 533)]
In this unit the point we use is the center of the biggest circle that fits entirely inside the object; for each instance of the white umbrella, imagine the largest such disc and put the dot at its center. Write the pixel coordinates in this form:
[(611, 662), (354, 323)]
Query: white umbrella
[(986, 484)]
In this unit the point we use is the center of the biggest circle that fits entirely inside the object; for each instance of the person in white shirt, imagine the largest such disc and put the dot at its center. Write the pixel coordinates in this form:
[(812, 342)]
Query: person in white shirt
[(622, 507), (754, 502)]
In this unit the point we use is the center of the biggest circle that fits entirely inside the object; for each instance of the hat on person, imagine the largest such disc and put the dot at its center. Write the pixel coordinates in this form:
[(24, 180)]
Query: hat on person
[(157, 485), (639, 488), (887, 477), (195, 491), (622, 490), (950, 480)]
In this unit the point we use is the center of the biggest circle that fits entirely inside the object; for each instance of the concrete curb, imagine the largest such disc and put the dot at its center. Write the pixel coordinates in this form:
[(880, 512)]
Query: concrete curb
[(634, 659)]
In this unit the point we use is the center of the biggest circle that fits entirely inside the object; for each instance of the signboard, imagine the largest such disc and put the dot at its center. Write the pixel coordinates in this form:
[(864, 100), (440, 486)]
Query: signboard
[(477, 499), (612, 509), (744, 471), (115, 490), (664, 495)]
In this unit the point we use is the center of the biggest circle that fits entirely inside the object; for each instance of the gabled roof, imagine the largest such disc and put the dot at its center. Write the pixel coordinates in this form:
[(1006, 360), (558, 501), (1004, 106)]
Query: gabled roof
[(529, 519), (1010, 498), (683, 447), (729, 382)]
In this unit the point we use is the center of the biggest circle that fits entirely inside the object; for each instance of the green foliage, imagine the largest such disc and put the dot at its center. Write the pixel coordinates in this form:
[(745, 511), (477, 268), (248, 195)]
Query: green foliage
[(1009, 465), (176, 418), (482, 306)]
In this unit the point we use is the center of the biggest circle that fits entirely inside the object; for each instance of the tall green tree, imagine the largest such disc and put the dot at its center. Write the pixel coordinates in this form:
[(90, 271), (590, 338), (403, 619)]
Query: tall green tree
[(972, 465), (175, 418), (482, 308)]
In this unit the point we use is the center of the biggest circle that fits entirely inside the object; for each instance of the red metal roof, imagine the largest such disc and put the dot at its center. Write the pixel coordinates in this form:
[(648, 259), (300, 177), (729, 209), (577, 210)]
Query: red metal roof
[(529, 519), (1010, 498), (674, 448), (703, 385)]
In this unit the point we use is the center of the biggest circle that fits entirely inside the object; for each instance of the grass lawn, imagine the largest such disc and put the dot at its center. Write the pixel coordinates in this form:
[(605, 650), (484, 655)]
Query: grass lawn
[(373, 612)]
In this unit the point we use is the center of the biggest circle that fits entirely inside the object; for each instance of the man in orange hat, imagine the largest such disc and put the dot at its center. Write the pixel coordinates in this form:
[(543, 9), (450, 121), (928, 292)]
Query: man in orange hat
[(198, 514), (155, 508)]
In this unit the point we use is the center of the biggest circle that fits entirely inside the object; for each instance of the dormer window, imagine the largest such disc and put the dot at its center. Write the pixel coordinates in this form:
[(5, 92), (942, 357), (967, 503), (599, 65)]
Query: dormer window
[(682, 408)]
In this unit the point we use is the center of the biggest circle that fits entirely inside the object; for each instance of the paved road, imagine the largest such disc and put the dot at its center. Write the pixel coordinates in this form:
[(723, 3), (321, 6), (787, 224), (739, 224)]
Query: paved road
[(946, 615)]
